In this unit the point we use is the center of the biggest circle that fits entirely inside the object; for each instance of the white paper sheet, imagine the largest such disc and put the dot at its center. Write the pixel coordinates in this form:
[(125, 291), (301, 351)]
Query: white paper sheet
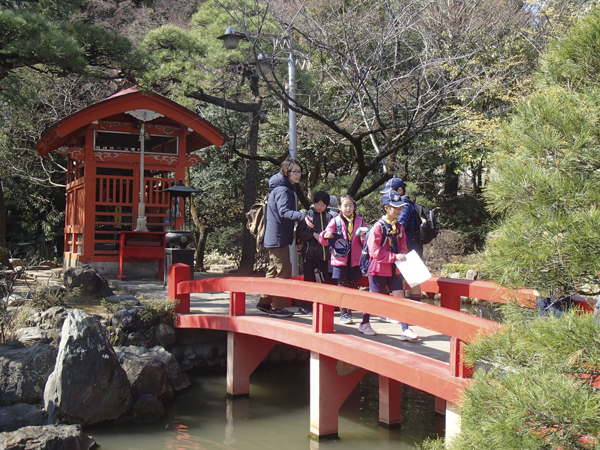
[(413, 269)]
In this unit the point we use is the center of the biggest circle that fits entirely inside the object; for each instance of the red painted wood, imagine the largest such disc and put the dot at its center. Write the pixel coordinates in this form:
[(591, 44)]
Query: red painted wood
[(128, 252), (329, 391), (440, 406), (450, 301), (486, 290), (244, 354), (415, 370), (450, 323), (237, 303), (179, 273), (458, 367), (130, 99), (390, 402), (323, 318)]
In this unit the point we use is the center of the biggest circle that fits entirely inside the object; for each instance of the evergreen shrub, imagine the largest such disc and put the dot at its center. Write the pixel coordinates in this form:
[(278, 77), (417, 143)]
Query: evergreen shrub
[(536, 385)]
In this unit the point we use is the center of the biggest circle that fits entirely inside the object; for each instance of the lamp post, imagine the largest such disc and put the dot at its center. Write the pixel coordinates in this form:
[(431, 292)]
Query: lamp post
[(231, 40), (143, 115)]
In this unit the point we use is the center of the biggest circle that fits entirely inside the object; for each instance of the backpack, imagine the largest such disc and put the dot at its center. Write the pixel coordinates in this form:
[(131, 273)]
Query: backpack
[(430, 226), (257, 222), (365, 258)]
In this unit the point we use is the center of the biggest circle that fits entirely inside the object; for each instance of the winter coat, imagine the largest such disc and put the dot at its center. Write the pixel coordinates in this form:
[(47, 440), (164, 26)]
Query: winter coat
[(356, 244), (281, 213), (311, 248), (382, 260)]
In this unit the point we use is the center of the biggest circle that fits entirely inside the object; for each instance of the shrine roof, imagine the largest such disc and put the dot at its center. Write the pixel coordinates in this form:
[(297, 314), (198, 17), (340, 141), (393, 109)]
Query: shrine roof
[(114, 108)]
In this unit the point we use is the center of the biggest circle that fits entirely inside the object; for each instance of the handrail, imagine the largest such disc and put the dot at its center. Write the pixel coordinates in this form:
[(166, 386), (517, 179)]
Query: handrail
[(452, 289), (450, 323), (459, 326)]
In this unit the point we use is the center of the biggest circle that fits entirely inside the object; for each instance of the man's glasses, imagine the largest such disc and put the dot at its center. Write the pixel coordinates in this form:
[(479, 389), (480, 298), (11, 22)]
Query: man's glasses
[(296, 172)]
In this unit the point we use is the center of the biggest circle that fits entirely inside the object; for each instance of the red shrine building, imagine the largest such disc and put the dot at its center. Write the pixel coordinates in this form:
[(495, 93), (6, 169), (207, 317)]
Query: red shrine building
[(122, 154)]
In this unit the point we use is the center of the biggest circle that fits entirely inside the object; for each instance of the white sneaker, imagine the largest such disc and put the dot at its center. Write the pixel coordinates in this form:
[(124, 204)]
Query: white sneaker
[(388, 320), (346, 319), (408, 335), (365, 328)]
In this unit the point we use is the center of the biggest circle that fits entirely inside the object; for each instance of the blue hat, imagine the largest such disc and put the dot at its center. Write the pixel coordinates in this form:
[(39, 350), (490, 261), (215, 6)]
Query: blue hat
[(393, 184), (392, 198), (339, 245)]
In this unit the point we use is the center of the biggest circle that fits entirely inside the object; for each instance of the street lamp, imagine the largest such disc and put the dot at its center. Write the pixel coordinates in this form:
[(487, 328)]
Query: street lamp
[(231, 40)]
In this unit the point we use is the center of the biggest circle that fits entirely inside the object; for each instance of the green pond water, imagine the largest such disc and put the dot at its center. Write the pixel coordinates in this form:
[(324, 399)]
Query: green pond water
[(275, 417)]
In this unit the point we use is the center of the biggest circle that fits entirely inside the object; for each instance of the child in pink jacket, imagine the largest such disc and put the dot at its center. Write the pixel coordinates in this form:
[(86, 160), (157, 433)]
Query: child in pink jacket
[(383, 273), (345, 264)]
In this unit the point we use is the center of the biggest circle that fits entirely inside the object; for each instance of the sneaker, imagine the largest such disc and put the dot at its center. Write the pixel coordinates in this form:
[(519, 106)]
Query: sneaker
[(408, 335), (346, 318), (263, 307), (306, 312), (365, 328), (388, 320), (280, 312)]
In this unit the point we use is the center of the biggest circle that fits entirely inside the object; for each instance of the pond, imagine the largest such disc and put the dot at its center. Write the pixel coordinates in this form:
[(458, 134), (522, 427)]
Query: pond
[(275, 417)]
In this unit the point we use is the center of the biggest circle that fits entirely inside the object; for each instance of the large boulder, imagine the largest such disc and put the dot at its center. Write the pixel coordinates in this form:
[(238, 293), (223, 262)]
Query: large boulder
[(147, 375), (140, 338), (165, 334), (148, 408), (88, 279), (88, 384), (53, 317), (20, 415), (24, 371), (47, 437), (178, 379), (128, 318)]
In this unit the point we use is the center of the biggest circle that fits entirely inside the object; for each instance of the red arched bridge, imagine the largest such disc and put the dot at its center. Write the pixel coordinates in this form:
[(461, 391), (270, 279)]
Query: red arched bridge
[(339, 359)]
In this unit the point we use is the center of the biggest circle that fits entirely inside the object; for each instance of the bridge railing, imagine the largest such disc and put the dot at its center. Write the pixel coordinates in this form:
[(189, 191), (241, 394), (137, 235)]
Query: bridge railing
[(460, 327), (452, 290)]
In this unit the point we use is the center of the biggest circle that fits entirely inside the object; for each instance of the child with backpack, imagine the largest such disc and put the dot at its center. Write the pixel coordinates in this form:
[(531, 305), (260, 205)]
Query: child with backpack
[(387, 244), (412, 224), (340, 234), (314, 254)]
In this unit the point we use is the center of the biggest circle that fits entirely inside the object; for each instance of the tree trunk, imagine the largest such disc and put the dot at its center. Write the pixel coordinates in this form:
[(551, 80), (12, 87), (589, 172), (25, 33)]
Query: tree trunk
[(249, 244), (4, 261), (201, 237), (198, 256), (451, 188)]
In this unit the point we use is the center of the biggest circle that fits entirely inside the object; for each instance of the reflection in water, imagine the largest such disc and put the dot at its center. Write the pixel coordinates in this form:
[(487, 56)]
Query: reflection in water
[(275, 417)]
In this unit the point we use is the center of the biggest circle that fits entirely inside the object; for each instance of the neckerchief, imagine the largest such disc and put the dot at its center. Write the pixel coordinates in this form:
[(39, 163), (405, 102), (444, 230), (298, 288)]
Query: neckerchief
[(349, 226), (392, 234)]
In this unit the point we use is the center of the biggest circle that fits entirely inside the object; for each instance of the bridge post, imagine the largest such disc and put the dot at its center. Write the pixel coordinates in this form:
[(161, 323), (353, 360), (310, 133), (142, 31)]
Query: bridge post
[(458, 367), (244, 354), (323, 318), (440, 406), (450, 301), (328, 391), (179, 272), (390, 402), (237, 303), (453, 421)]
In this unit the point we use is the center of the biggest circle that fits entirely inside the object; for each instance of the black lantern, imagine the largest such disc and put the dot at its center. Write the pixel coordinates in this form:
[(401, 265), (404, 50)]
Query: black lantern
[(179, 238)]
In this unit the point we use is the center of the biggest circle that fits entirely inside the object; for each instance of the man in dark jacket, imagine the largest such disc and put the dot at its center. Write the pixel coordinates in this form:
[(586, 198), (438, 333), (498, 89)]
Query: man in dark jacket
[(279, 235), (316, 256)]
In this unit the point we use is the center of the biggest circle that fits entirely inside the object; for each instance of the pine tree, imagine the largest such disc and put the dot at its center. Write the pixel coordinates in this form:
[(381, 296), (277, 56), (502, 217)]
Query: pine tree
[(536, 386), (546, 186)]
